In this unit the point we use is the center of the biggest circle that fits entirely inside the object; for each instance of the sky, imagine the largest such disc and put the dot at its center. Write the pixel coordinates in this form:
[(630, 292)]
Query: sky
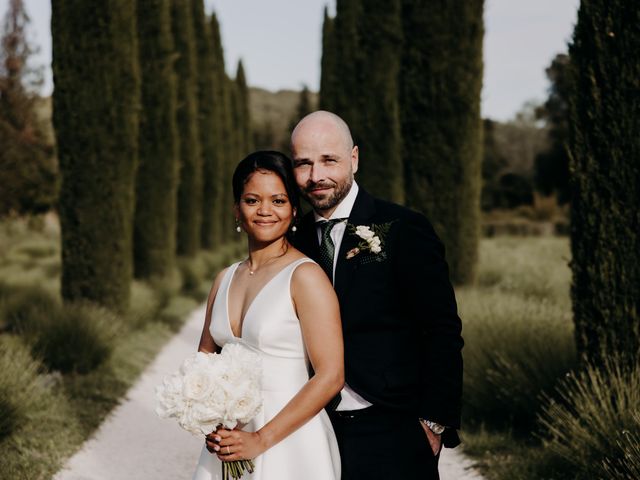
[(280, 43)]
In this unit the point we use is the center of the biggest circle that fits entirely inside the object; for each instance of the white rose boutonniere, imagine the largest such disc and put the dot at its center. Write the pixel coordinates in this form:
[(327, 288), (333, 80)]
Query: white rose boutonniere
[(372, 238)]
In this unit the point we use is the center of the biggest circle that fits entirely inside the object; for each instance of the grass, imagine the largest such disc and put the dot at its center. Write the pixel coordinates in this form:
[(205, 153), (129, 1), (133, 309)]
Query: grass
[(75, 406), (76, 338), (500, 455), (66, 366), (593, 422), (518, 330), (19, 385), (531, 410), (519, 345)]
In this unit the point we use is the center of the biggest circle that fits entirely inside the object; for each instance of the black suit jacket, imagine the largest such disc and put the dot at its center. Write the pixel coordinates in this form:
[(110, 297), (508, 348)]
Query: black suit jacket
[(402, 333)]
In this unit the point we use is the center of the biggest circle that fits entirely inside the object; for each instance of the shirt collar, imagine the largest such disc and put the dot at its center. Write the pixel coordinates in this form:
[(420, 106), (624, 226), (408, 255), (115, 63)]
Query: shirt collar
[(343, 210)]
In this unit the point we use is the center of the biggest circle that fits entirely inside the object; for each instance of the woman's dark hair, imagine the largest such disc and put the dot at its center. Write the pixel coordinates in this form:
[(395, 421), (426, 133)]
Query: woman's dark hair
[(271, 161)]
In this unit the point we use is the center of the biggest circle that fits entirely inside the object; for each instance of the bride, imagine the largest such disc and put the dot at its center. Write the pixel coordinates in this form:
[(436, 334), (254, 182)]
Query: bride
[(281, 304)]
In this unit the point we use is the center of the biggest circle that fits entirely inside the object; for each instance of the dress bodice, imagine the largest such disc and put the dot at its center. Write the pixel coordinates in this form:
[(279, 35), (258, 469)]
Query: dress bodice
[(270, 327)]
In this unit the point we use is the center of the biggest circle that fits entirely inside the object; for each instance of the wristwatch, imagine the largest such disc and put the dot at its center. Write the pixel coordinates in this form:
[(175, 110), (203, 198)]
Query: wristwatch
[(433, 426)]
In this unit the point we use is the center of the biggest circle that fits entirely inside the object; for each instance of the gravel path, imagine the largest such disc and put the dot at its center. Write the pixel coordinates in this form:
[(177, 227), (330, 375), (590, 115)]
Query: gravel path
[(134, 444)]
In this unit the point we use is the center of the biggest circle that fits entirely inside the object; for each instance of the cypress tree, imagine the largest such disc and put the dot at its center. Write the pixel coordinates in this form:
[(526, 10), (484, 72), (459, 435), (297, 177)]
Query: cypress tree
[(95, 114), (604, 143), (235, 140), (243, 114), (303, 108), (378, 124), (190, 186), (440, 84), (157, 178), (328, 73), (228, 155), (347, 61), (209, 118)]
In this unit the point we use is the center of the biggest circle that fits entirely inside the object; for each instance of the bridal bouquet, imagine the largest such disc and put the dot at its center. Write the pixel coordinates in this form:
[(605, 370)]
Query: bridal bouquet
[(212, 390)]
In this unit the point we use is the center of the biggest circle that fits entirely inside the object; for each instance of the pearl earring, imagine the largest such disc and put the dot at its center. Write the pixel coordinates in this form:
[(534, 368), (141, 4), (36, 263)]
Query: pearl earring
[(294, 229), (238, 229)]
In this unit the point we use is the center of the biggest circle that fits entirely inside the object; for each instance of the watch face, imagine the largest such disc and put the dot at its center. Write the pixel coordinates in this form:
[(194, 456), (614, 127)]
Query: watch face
[(438, 429), (435, 427)]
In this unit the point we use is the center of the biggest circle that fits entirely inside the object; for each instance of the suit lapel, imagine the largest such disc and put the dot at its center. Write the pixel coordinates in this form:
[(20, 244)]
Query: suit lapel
[(361, 214)]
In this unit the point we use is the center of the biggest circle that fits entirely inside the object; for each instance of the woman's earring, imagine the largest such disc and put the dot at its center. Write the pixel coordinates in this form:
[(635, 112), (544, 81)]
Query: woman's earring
[(238, 229), (294, 229)]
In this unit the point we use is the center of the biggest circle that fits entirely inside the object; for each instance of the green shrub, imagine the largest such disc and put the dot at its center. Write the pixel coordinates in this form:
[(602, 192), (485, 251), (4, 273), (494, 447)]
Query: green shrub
[(21, 276), (214, 261), (50, 266), (593, 421), (78, 339), (25, 309), (193, 271), (166, 286), (174, 314), (516, 348), (144, 304), (19, 385), (37, 247), (530, 267), (19, 258)]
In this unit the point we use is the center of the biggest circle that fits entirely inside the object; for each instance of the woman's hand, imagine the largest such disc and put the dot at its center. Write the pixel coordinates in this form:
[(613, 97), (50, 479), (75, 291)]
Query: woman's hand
[(231, 445)]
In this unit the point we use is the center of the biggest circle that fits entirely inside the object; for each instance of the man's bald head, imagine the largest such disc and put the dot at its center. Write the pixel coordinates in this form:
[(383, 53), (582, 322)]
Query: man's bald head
[(324, 160), (323, 122)]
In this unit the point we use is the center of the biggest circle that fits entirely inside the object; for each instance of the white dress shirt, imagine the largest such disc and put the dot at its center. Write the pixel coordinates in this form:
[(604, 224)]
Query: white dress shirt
[(350, 399)]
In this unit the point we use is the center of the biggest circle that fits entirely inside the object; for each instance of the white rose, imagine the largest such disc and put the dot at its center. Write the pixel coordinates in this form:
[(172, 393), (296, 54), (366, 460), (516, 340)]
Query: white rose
[(197, 384), (375, 245), (170, 402), (206, 417), (364, 232), (244, 402)]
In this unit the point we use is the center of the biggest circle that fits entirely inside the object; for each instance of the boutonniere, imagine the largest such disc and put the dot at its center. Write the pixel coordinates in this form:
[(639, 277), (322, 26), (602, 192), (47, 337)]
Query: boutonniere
[(372, 238)]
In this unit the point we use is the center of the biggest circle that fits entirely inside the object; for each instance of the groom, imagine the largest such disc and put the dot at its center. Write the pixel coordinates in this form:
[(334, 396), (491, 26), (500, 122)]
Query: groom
[(403, 363)]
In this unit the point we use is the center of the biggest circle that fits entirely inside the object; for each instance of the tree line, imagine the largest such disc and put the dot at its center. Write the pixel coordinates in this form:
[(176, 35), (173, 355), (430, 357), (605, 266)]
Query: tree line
[(406, 75), (148, 128)]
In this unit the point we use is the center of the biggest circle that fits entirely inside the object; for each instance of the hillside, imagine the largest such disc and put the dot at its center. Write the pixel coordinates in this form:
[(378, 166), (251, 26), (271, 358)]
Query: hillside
[(271, 114), (269, 110)]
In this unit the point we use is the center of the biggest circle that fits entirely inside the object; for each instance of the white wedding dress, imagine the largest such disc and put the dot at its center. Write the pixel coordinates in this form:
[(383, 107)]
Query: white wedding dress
[(271, 328)]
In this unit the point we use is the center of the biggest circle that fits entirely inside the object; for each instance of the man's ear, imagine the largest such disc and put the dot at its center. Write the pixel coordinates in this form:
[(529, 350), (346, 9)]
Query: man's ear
[(354, 158)]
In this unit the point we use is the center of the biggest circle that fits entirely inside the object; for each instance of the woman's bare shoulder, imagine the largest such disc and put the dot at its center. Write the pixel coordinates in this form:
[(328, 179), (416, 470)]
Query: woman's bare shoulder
[(309, 275)]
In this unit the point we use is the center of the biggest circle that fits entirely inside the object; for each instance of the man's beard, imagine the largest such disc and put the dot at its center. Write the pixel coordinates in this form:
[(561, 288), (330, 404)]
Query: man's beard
[(327, 203)]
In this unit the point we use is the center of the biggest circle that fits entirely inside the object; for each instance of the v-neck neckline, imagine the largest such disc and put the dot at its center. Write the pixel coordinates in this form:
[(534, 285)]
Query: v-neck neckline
[(253, 300)]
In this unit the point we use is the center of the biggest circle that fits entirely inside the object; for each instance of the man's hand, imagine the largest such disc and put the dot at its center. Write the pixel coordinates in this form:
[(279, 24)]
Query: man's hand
[(435, 441)]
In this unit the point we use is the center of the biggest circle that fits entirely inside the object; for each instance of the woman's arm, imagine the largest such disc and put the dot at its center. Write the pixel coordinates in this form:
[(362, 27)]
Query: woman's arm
[(207, 344), (317, 307)]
